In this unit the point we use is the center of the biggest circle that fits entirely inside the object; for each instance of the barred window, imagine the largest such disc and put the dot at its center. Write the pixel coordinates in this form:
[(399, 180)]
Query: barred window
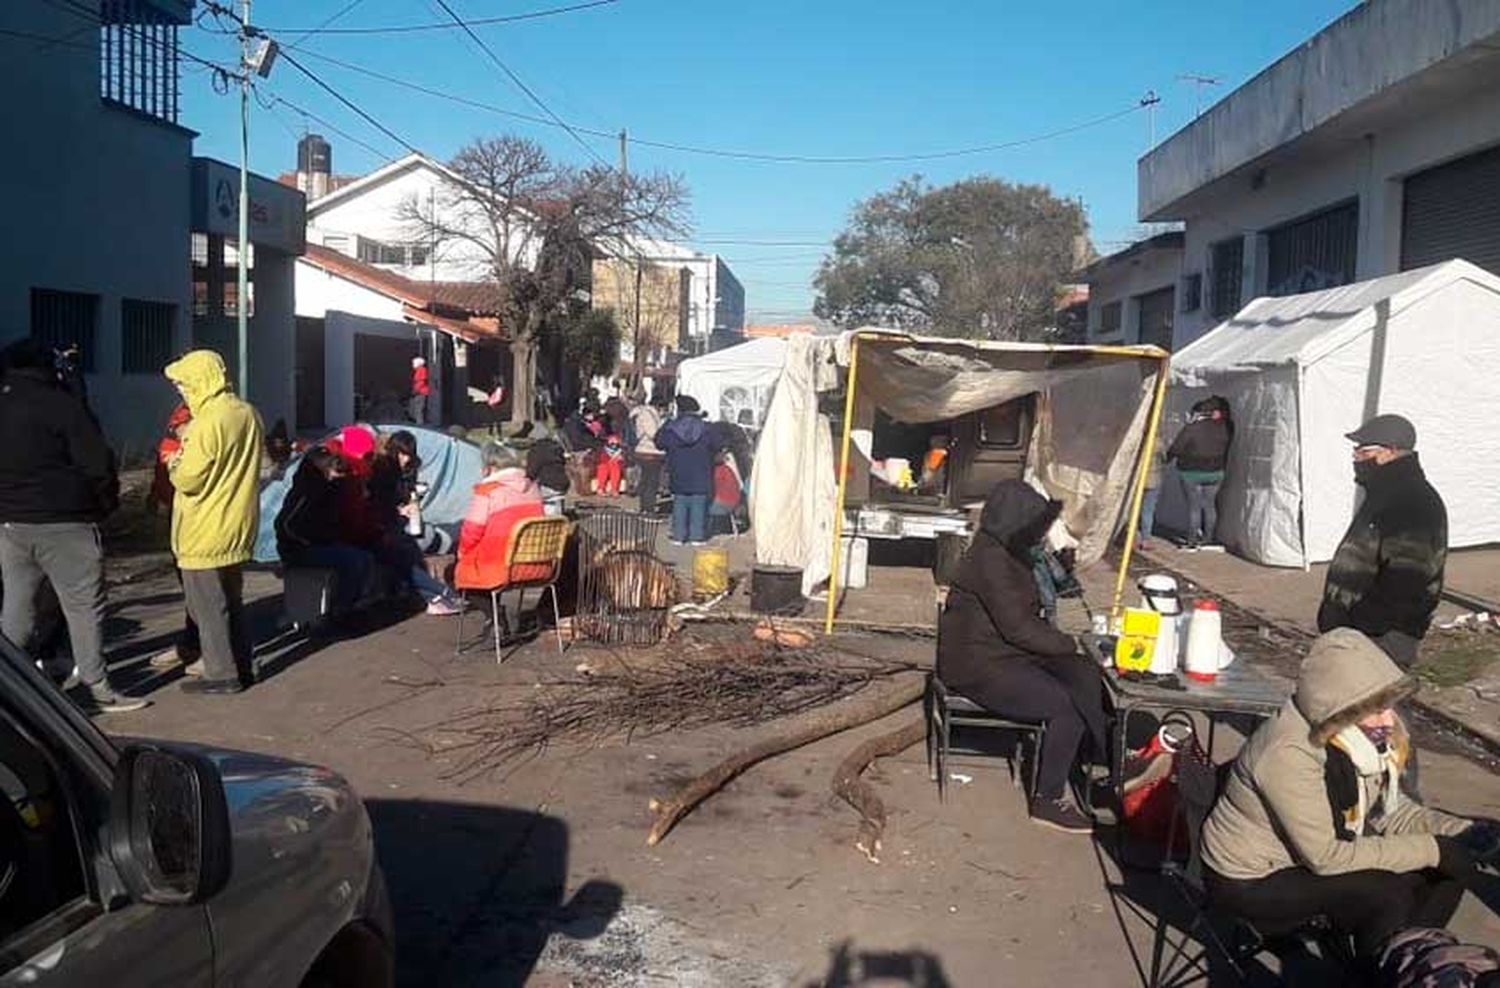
[(377, 252), (146, 335), (62, 319), (138, 57), (1226, 271)]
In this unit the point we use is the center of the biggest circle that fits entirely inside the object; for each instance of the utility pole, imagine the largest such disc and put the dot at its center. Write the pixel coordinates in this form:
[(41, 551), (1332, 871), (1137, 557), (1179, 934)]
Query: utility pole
[(636, 358), (1149, 101), (242, 289)]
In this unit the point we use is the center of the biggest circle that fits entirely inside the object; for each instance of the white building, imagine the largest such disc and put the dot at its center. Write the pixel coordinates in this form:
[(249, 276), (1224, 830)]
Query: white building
[(96, 177), (1374, 147), (1132, 295), (716, 299)]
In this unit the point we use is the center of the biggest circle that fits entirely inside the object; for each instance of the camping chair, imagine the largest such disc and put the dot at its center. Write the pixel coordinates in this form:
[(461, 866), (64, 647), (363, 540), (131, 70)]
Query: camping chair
[(1198, 787), (946, 710), (533, 558)]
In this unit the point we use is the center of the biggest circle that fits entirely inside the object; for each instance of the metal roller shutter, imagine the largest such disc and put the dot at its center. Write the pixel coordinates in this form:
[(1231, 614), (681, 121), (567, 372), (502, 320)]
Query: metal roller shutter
[(1451, 211), (1156, 309)]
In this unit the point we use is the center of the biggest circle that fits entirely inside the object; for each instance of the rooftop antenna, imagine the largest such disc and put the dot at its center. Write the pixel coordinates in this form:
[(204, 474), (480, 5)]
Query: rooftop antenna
[(1199, 81)]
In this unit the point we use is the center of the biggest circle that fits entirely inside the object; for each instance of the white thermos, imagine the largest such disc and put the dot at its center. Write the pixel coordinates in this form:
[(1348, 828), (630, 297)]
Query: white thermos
[(414, 523), (1204, 641), (1159, 593)]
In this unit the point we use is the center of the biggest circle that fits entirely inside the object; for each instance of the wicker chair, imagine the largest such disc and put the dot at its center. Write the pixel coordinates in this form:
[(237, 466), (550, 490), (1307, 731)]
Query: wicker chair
[(533, 558)]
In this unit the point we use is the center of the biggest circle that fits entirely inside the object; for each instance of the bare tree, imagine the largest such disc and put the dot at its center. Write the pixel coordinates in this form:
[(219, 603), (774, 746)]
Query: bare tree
[(536, 226)]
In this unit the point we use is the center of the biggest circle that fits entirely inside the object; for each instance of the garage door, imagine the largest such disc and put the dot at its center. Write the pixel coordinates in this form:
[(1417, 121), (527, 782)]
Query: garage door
[(1453, 211), (1156, 316)]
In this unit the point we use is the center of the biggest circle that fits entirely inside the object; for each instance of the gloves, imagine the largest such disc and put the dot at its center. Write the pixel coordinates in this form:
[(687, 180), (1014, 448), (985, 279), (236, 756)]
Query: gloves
[(1454, 859)]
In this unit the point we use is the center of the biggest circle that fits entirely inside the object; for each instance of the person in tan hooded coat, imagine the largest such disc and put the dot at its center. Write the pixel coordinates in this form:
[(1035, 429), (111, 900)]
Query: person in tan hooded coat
[(1312, 820)]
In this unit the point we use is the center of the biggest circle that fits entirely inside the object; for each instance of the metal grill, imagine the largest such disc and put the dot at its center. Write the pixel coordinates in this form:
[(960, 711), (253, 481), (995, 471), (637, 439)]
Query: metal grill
[(138, 58), (624, 590)]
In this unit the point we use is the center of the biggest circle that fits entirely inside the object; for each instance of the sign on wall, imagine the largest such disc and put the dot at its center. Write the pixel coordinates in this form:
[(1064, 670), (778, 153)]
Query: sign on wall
[(278, 213)]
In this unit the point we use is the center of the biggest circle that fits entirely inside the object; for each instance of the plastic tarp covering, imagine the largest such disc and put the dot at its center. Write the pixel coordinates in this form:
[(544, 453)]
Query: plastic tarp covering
[(1302, 371), (792, 489), (738, 378), (450, 469)]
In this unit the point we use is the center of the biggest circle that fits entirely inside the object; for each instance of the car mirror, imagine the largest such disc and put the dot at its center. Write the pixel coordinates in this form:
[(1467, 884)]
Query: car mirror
[(169, 826)]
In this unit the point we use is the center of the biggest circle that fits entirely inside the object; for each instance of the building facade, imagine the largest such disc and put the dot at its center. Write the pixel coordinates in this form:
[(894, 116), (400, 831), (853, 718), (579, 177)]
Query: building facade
[(1374, 147), (716, 299), (650, 302), (97, 175), (1132, 295)]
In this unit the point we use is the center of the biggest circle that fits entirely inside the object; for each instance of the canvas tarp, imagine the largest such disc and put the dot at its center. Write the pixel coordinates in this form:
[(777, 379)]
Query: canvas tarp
[(1301, 372), (737, 379), (450, 469), (1091, 416)]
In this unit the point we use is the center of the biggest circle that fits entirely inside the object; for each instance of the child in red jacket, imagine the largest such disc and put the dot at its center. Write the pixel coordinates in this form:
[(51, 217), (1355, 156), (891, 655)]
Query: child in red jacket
[(610, 471)]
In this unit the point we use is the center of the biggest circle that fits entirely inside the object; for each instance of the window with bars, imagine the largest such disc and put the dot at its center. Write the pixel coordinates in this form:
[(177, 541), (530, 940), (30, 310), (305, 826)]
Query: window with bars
[(138, 57), (376, 252), (146, 335), (63, 319), (1226, 271)]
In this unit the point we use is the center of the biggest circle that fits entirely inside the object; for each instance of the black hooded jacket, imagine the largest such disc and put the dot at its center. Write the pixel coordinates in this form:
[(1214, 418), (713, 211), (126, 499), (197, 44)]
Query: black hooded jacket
[(994, 610), (310, 514), (57, 467), (1387, 573)]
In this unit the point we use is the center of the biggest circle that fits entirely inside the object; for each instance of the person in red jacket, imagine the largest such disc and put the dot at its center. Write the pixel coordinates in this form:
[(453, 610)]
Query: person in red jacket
[(610, 471), (502, 499), (420, 389)]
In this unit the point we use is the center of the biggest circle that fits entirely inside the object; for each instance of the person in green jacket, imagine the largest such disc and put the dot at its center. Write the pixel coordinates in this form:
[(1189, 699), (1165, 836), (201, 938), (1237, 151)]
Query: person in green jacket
[(215, 516), (1313, 822)]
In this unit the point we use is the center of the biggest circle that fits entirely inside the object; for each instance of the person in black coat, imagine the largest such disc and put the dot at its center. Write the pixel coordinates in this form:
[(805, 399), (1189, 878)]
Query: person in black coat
[(1387, 574), (1201, 451), (308, 530), (995, 649)]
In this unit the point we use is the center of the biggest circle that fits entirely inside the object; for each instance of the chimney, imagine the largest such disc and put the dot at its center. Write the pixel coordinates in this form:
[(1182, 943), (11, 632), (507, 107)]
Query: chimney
[(314, 166)]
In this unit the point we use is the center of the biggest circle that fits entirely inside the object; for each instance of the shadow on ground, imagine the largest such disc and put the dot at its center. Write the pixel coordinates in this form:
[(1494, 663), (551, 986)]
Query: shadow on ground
[(478, 890), (850, 967)]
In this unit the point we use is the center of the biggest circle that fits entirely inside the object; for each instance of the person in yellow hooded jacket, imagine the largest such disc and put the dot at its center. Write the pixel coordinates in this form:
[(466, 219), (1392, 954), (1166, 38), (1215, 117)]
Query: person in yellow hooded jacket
[(215, 516)]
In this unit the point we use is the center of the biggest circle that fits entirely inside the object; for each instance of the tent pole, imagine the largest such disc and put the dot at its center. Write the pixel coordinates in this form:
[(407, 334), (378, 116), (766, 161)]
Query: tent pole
[(1138, 488), (838, 511)]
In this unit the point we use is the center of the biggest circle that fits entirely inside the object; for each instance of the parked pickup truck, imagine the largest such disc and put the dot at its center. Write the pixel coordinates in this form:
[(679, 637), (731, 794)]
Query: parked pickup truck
[(161, 863)]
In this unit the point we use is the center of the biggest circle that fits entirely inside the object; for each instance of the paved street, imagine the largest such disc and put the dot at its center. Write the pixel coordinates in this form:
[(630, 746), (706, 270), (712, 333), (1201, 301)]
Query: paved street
[(541, 875)]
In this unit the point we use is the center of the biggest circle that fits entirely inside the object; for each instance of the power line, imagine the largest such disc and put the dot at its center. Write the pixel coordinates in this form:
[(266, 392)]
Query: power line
[(446, 26), (721, 152), (331, 126), (303, 35), (520, 84), (348, 103)]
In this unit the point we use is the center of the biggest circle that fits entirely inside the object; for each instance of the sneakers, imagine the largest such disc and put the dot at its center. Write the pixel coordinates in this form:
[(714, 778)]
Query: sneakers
[(1060, 814), (442, 607), (194, 669), (168, 659), (101, 698)]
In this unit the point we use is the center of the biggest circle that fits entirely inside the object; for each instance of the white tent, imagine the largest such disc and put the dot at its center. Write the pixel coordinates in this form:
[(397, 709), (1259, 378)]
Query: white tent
[(1302, 371), (736, 379)]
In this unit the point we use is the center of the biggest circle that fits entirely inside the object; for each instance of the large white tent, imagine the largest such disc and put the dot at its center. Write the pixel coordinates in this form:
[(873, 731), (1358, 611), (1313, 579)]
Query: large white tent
[(1302, 371), (736, 379)]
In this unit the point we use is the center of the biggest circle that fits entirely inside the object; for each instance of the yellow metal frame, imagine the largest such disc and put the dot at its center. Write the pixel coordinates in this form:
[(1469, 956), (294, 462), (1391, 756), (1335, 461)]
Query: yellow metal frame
[(1138, 485)]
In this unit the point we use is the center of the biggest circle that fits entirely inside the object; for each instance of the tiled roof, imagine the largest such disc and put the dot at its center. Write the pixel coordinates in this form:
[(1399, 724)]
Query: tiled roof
[(789, 329), (465, 309)]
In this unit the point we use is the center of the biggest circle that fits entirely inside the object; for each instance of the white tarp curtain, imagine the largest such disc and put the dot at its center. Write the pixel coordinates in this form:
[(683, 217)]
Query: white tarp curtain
[(1302, 371), (735, 379), (1091, 417), (792, 488)]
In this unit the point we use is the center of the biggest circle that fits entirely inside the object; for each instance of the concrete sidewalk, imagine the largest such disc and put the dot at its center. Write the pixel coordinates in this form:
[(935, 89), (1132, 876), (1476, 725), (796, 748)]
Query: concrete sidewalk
[(1289, 598)]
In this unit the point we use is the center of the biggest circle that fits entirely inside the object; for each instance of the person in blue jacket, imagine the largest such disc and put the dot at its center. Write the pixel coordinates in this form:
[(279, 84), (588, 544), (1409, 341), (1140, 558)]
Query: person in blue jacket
[(690, 462)]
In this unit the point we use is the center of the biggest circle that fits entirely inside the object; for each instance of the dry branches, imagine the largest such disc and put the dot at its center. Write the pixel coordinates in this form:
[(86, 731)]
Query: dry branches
[(849, 787)]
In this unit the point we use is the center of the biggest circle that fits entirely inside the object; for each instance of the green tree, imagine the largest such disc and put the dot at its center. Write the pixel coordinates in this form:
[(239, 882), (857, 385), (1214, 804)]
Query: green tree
[(590, 340), (979, 258)]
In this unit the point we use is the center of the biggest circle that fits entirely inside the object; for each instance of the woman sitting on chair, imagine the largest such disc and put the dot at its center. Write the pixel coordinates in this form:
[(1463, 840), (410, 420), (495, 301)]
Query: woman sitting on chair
[(502, 499), (995, 649), (1312, 821)]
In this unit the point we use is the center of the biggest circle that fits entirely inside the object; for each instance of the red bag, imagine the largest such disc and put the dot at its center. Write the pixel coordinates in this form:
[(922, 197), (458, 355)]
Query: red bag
[(1149, 803)]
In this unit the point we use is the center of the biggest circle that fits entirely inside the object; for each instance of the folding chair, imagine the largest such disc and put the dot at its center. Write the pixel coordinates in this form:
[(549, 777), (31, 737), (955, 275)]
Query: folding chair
[(533, 558), (1198, 787), (946, 710)]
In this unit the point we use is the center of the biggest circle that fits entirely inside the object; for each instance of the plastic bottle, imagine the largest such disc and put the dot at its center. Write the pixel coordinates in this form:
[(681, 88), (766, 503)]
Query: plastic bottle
[(1205, 629)]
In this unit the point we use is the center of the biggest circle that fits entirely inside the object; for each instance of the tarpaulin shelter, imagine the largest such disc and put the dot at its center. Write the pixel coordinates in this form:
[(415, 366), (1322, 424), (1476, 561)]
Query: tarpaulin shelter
[(734, 380), (1302, 371), (450, 469), (1096, 405)]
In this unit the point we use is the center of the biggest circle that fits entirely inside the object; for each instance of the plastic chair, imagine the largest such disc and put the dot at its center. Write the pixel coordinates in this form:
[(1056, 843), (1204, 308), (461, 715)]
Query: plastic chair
[(533, 558)]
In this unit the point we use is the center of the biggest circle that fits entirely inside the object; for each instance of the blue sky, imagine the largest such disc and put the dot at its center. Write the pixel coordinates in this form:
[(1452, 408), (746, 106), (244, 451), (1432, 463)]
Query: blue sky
[(800, 77)]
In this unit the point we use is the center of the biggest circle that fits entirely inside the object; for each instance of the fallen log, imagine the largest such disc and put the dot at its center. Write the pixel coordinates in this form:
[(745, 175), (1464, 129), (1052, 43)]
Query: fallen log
[(855, 791), (813, 726)]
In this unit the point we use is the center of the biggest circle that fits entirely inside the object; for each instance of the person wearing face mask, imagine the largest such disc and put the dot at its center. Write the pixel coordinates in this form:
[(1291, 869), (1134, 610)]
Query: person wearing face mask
[(996, 649), (1313, 822), (1387, 575)]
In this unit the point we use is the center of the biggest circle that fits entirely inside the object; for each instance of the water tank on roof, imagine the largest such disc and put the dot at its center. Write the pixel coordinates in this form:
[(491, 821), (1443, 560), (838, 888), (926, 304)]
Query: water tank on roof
[(314, 166)]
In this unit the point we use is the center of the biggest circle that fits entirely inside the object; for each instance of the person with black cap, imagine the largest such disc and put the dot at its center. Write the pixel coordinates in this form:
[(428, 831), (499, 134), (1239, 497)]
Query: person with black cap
[(1387, 574), (690, 463)]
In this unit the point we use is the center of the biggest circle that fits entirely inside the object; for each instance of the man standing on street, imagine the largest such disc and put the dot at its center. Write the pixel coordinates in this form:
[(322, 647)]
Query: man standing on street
[(645, 419), (690, 461), (57, 482), (215, 516), (1387, 575), (420, 389)]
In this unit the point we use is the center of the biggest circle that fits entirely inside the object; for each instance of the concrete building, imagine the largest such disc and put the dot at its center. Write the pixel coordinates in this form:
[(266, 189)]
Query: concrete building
[(658, 294), (358, 326), (97, 175), (1374, 147), (716, 299), (1132, 294)]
